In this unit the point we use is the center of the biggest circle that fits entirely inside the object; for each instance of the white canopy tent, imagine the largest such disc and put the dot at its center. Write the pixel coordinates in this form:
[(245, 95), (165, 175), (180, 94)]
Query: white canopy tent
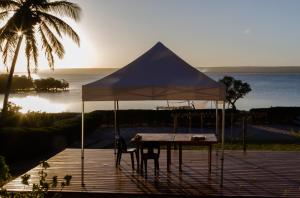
[(158, 74)]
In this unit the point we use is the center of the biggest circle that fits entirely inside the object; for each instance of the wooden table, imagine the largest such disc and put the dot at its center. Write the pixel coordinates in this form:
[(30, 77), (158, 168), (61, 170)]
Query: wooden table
[(179, 139)]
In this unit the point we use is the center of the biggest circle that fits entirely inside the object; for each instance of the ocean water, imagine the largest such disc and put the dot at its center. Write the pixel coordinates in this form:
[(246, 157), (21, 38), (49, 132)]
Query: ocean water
[(268, 90)]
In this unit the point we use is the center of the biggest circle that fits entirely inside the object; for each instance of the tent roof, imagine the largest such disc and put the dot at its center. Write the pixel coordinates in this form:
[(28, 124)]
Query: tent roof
[(159, 74)]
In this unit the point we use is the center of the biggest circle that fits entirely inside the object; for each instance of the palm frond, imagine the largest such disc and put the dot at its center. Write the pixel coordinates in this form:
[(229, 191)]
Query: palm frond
[(62, 8), (54, 42), (52, 24), (62, 26), (9, 48), (5, 32), (9, 4), (4, 14), (8, 39), (48, 50), (31, 50), (28, 50), (10, 28)]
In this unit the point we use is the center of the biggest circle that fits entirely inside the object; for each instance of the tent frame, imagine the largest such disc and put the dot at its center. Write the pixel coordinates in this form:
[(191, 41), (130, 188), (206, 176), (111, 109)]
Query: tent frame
[(116, 107)]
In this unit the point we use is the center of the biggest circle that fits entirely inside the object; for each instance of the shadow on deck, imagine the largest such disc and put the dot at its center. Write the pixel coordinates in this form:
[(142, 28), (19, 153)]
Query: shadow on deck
[(256, 173)]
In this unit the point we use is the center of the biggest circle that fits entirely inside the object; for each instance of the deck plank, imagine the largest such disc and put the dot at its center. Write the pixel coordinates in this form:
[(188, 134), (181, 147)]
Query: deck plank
[(256, 173)]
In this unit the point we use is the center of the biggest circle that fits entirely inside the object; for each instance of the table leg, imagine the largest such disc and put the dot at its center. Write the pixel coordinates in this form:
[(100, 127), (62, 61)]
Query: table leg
[(180, 157), (141, 162), (168, 157), (209, 158), (137, 153)]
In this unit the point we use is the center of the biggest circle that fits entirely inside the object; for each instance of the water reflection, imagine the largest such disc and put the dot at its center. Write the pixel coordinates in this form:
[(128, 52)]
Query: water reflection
[(71, 102), (267, 90), (36, 103)]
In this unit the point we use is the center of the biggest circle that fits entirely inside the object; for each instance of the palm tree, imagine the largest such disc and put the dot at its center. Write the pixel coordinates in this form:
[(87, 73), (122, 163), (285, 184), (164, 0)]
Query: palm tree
[(26, 20)]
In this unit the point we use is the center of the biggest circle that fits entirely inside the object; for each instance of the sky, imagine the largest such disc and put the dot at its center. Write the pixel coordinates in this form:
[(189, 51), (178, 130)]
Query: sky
[(203, 32)]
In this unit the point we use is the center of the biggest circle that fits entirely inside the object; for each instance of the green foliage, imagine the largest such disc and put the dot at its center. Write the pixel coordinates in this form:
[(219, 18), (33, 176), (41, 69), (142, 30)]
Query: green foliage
[(35, 134), (235, 89), (41, 188), (13, 108), (19, 83), (275, 115), (50, 84), (22, 83), (4, 171)]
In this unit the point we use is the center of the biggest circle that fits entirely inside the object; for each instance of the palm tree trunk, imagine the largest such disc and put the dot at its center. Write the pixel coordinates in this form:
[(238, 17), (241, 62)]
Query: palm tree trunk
[(10, 77), (28, 70)]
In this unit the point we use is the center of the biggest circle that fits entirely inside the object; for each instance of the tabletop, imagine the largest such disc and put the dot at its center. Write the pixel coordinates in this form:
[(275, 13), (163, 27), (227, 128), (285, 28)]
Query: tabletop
[(175, 137)]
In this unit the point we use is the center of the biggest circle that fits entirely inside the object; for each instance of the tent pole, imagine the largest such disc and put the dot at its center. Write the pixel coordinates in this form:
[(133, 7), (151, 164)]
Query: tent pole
[(217, 120), (223, 131), (115, 126), (118, 120), (82, 145)]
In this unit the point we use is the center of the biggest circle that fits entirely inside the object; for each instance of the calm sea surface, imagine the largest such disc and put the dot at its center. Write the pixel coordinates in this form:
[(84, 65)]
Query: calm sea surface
[(267, 90)]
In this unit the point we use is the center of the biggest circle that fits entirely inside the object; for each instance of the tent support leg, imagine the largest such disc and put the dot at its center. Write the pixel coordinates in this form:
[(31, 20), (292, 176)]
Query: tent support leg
[(115, 127), (217, 120), (82, 145), (118, 120), (222, 155)]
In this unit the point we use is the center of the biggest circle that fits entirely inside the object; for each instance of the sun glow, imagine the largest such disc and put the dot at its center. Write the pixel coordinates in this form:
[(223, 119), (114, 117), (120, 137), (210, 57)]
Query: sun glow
[(19, 33), (36, 103)]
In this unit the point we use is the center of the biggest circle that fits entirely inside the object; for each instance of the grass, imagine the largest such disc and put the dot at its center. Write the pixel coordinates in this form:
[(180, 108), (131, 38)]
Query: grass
[(252, 146), (265, 147)]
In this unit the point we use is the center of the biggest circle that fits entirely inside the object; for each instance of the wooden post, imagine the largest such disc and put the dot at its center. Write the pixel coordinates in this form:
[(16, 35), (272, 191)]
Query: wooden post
[(201, 117), (245, 126), (223, 136), (175, 122), (180, 157), (190, 122)]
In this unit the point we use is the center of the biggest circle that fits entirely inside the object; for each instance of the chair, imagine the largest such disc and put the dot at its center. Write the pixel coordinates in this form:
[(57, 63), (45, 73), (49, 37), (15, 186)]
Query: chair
[(150, 154), (122, 148)]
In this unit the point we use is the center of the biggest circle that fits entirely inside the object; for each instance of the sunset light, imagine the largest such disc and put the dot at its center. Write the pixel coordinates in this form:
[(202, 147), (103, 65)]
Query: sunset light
[(19, 33), (35, 103), (149, 98)]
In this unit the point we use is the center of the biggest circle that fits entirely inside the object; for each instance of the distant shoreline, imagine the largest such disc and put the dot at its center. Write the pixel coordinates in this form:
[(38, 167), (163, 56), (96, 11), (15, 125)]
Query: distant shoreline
[(251, 69), (225, 69)]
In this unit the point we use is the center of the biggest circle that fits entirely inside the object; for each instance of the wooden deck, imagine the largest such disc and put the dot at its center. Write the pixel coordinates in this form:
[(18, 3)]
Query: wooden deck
[(264, 174)]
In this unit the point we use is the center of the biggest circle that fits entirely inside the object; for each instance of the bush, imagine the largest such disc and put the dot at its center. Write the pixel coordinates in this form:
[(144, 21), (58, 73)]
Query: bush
[(40, 189), (50, 84), (34, 134), (275, 115), (4, 171)]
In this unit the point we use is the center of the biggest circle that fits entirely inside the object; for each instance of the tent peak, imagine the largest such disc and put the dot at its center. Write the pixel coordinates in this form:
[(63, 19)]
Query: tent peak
[(159, 45)]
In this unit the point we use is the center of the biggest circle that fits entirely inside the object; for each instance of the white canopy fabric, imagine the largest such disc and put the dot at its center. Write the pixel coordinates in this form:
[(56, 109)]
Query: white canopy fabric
[(159, 74)]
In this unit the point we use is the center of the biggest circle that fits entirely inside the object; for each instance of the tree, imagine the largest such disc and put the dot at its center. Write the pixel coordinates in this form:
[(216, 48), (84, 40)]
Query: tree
[(28, 18), (21, 83), (235, 89)]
